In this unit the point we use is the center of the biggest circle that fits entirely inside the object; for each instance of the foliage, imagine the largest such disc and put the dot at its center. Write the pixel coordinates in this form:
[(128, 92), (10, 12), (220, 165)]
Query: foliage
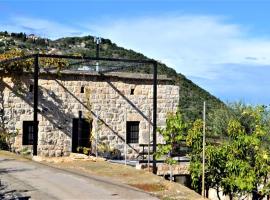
[(27, 64), (191, 98), (194, 141), (89, 117), (16, 66), (217, 122), (240, 165), (25, 151), (6, 138), (3, 142), (84, 150), (103, 147), (215, 166), (10, 137), (172, 135), (106, 151)]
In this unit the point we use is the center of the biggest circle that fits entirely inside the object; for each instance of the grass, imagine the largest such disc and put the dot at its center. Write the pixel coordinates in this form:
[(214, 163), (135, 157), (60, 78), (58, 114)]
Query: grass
[(7, 154), (140, 179), (149, 187)]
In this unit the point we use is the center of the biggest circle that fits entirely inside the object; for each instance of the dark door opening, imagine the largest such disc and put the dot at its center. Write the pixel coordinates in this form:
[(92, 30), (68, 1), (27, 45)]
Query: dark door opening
[(28, 132), (81, 131)]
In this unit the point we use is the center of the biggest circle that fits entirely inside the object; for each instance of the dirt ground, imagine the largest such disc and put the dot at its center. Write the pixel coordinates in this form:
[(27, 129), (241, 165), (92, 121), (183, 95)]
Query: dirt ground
[(141, 179)]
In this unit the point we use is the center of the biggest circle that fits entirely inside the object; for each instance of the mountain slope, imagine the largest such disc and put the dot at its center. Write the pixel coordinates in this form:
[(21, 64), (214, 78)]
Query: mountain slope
[(191, 95)]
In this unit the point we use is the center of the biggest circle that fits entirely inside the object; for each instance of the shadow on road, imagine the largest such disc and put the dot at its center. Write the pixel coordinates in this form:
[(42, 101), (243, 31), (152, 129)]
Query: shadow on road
[(7, 193), (6, 159), (12, 194), (12, 170)]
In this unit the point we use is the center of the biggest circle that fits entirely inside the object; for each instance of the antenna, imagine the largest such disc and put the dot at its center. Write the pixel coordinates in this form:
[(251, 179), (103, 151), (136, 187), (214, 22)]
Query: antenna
[(97, 40)]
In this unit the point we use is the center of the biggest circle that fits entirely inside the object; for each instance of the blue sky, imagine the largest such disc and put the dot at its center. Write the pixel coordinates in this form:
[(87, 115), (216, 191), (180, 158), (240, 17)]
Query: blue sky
[(223, 46)]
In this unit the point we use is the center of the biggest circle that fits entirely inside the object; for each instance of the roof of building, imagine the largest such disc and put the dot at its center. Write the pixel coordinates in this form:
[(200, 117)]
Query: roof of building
[(126, 75)]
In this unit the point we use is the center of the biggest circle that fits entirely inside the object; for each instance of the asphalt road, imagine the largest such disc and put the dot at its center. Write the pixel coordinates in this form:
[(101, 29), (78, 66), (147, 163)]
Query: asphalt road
[(36, 181)]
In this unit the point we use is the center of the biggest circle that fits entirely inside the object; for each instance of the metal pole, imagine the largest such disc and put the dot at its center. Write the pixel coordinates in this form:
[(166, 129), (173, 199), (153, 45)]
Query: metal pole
[(126, 138), (203, 165), (97, 50), (97, 129), (35, 136), (154, 117), (149, 136)]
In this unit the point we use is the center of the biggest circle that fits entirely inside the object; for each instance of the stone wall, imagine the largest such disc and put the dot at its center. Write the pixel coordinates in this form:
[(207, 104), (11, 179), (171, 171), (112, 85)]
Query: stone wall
[(107, 99)]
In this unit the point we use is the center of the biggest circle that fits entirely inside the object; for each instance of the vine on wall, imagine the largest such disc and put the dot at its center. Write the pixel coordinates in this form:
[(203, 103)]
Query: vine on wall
[(27, 64)]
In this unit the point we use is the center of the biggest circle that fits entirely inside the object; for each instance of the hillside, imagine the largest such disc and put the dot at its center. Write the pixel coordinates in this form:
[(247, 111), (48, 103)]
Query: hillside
[(191, 95)]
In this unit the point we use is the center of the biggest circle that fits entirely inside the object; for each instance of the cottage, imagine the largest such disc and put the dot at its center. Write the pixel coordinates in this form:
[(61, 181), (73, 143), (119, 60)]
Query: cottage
[(85, 109)]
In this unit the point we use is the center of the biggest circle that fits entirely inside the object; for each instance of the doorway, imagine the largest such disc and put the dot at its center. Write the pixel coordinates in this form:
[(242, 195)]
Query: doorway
[(81, 132)]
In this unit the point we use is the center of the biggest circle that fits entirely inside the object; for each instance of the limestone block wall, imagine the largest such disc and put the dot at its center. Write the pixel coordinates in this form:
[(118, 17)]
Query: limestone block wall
[(107, 98)]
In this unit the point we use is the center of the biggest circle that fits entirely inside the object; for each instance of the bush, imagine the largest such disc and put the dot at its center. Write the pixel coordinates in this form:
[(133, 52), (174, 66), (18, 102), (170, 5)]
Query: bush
[(106, 151), (84, 150), (2, 44), (25, 151), (3, 142)]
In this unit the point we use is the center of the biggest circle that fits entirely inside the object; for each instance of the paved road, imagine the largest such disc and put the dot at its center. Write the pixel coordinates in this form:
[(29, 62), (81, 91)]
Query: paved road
[(25, 178)]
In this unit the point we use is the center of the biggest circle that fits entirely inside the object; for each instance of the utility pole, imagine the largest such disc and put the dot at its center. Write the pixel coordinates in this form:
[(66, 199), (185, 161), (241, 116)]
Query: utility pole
[(154, 117), (203, 165)]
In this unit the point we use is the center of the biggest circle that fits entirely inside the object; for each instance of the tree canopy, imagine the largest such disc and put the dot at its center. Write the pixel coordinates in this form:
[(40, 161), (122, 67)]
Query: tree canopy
[(240, 165)]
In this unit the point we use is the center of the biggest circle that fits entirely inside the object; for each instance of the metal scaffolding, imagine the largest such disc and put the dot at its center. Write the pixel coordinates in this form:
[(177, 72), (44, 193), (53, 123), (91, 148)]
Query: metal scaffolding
[(81, 59)]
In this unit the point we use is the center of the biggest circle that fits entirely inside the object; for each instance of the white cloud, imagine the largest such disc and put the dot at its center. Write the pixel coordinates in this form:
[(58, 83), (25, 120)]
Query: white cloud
[(193, 45)]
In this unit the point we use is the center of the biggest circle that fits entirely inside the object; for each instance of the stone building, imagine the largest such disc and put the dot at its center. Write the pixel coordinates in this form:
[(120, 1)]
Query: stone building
[(80, 109)]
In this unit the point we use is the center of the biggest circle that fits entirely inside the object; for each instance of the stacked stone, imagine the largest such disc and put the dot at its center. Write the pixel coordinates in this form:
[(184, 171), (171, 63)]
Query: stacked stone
[(108, 99)]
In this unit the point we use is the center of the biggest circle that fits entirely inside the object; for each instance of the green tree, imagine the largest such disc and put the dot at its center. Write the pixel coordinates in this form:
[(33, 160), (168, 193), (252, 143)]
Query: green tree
[(194, 141), (247, 163), (240, 165), (172, 134)]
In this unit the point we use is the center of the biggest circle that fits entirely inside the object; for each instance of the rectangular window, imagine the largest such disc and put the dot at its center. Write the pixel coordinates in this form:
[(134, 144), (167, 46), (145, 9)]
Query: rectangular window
[(82, 89), (28, 132), (31, 88), (133, 132)]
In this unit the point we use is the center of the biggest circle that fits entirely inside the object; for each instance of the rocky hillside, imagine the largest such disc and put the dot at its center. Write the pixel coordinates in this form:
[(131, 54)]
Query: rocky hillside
[(191, 95)]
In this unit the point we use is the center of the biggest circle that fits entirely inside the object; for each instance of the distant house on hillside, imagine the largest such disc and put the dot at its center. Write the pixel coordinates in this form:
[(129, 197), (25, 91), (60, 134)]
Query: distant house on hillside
[(85, 109), (32, 36)]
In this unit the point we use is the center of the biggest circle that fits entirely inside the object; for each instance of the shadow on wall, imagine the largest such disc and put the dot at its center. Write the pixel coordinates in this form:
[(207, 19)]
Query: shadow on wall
[(49, 109), (127, 100), (95, 115)]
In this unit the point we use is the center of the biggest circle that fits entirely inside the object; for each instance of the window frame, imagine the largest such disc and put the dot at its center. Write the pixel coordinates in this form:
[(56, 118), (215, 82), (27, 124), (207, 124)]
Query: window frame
[(132, 132)]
